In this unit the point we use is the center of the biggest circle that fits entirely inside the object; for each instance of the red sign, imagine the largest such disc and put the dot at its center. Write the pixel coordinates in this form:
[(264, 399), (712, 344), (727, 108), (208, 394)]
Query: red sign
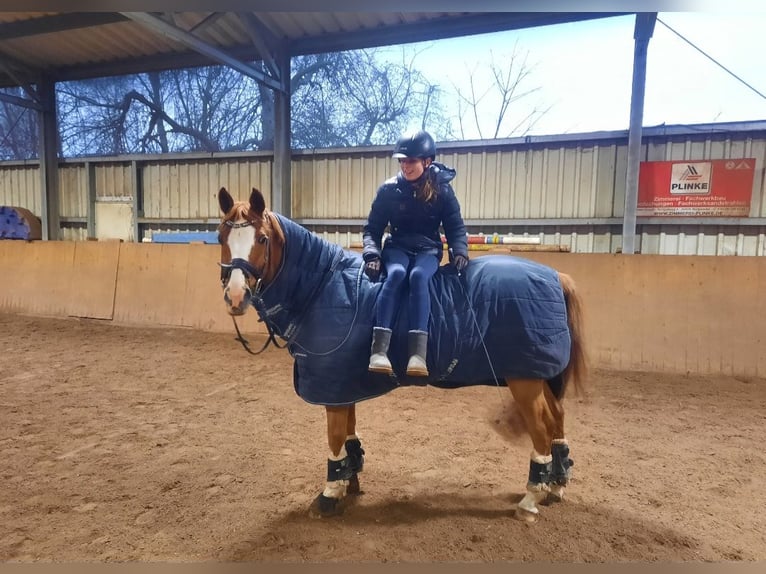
[(715, 188)]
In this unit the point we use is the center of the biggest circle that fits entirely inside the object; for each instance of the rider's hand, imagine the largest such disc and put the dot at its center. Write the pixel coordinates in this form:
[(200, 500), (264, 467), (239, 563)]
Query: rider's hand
[(460, 262), (372, 269)]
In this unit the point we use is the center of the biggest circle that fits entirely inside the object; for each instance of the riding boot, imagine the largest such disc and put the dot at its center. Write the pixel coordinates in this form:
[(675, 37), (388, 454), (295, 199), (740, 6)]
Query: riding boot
[(379, 363), (418, 343)]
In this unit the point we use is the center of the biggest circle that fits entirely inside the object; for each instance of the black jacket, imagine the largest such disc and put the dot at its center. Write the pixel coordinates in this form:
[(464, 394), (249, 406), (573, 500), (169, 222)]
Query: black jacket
[(414, 224)]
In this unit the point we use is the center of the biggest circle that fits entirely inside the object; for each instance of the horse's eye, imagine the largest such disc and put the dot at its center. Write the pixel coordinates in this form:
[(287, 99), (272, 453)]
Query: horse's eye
[(263, 239)]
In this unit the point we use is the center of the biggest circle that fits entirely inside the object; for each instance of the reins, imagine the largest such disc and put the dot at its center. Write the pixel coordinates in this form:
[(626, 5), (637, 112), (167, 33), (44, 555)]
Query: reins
[(460, 278), (245, 342)]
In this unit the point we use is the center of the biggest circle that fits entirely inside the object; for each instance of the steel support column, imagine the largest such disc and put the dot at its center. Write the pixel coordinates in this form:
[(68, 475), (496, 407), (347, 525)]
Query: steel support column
[(49, 181), (281, 196), (643, 32)]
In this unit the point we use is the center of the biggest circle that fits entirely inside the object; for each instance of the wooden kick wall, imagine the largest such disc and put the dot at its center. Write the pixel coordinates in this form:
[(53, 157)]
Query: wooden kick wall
[(685, 314)]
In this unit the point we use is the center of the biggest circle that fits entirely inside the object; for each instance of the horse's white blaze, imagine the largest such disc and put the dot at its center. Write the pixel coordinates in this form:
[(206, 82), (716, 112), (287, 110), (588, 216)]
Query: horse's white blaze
[(241, 241)]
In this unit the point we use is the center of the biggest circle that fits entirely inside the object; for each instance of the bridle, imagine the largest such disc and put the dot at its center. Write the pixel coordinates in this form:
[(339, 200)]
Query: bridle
[(250, 272), (253, 286)]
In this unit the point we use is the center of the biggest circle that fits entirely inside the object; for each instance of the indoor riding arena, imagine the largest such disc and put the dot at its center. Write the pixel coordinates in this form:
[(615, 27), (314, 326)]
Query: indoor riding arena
[(135, 426)]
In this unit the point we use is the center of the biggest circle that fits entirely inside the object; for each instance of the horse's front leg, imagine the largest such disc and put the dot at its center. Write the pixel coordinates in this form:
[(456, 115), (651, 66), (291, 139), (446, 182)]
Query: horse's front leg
[(342, 466)]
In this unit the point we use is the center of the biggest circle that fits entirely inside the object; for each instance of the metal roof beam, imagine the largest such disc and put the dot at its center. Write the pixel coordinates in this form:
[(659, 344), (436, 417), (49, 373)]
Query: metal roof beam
[(264, 40), (207, 21), (193, 42), (438, 29), (57, 23), (10, 67), (20, 101), (143, 65)]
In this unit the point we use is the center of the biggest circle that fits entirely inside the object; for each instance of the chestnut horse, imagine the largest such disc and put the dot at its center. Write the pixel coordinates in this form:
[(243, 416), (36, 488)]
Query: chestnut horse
[(314, 295)]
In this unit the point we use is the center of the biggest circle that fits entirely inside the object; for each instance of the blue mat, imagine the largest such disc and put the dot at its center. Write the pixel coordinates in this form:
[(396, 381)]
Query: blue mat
[(185, 237), (13, 224)]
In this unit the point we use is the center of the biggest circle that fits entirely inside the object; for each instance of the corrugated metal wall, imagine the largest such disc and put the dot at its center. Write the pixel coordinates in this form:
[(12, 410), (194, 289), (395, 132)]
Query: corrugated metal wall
[(564, 190), (20, 186), (73, 200), (188, 190), (567, 182)]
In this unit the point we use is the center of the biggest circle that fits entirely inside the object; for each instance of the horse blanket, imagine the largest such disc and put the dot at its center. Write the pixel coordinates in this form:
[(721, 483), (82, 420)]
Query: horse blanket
[(504, 317)]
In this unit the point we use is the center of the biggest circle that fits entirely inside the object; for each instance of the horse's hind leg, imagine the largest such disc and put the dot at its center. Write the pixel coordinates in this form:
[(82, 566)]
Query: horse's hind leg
[(561, 463), (529, 394), (339, 464)]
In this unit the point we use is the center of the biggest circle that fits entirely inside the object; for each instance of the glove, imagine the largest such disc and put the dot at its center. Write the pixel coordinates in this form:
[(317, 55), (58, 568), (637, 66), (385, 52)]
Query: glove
[(372, 269), (460, 262)]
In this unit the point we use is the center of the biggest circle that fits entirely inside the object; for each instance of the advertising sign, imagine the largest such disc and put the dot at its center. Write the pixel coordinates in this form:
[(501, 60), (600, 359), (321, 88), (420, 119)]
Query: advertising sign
[(715, 188)]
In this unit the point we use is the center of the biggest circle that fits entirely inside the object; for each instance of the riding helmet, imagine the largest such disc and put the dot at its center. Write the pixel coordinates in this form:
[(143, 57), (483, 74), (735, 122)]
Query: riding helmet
[(416, 144)]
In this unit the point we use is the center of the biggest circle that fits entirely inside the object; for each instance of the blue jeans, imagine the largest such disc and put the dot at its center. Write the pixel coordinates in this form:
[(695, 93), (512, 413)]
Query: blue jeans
[(421, 268)]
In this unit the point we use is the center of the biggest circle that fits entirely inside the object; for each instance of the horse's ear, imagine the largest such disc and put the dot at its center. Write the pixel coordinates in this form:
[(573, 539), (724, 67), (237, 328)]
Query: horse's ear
[(257, 202), (225, 201)]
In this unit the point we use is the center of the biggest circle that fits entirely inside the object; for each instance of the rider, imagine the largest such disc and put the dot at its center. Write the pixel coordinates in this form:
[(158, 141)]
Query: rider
[(415, 203)]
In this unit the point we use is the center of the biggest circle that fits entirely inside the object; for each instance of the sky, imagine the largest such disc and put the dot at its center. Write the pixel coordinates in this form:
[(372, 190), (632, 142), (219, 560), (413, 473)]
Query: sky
[(584, 70)]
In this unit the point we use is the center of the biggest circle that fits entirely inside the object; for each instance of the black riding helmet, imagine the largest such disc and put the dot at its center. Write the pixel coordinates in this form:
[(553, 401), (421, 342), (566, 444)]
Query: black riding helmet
[(416, 144)]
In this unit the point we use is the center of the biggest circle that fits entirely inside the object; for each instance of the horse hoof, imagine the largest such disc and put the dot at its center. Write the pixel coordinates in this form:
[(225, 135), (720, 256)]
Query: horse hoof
[(353, 486), (325, 507), (526, 516)]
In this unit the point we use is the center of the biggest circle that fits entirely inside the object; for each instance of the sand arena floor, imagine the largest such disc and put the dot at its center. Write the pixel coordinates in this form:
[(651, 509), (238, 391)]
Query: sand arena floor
[(121, 443)]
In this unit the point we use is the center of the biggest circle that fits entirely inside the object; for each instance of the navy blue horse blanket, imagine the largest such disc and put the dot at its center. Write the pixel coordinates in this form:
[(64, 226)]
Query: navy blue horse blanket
[(323, 305)]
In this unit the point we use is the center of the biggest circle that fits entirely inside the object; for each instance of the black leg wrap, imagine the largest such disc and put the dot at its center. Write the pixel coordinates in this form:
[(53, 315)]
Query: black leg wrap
[(355, 454), (561, 463), (339, 469), (539, 472)]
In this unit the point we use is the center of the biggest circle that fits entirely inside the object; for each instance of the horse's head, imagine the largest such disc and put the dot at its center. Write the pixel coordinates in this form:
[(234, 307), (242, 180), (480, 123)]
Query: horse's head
[(251, 248)]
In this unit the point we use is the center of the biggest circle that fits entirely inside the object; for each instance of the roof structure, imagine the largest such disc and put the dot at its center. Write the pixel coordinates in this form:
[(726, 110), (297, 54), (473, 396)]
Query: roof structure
[(38, 49), (77, 45)]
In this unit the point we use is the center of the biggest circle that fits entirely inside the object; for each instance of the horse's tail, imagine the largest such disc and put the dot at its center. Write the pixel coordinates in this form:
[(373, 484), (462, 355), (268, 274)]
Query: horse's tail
[(510, 422), (576, 371)]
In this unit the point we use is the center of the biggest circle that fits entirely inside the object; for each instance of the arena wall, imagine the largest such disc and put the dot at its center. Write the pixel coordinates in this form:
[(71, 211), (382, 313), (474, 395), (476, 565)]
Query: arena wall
[(564, 190), (683, 314)]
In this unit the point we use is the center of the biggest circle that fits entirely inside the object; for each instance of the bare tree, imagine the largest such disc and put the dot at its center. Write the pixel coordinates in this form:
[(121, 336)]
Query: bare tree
[(199, 109), (19, 136), (487, 108), (363, 99), (354, 98)]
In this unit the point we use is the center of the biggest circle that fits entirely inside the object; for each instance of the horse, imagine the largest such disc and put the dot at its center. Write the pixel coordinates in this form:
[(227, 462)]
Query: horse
[(504, 317)]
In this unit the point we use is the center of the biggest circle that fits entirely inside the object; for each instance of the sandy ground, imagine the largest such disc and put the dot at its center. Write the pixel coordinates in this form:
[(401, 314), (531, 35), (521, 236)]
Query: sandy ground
[(121, 443)]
